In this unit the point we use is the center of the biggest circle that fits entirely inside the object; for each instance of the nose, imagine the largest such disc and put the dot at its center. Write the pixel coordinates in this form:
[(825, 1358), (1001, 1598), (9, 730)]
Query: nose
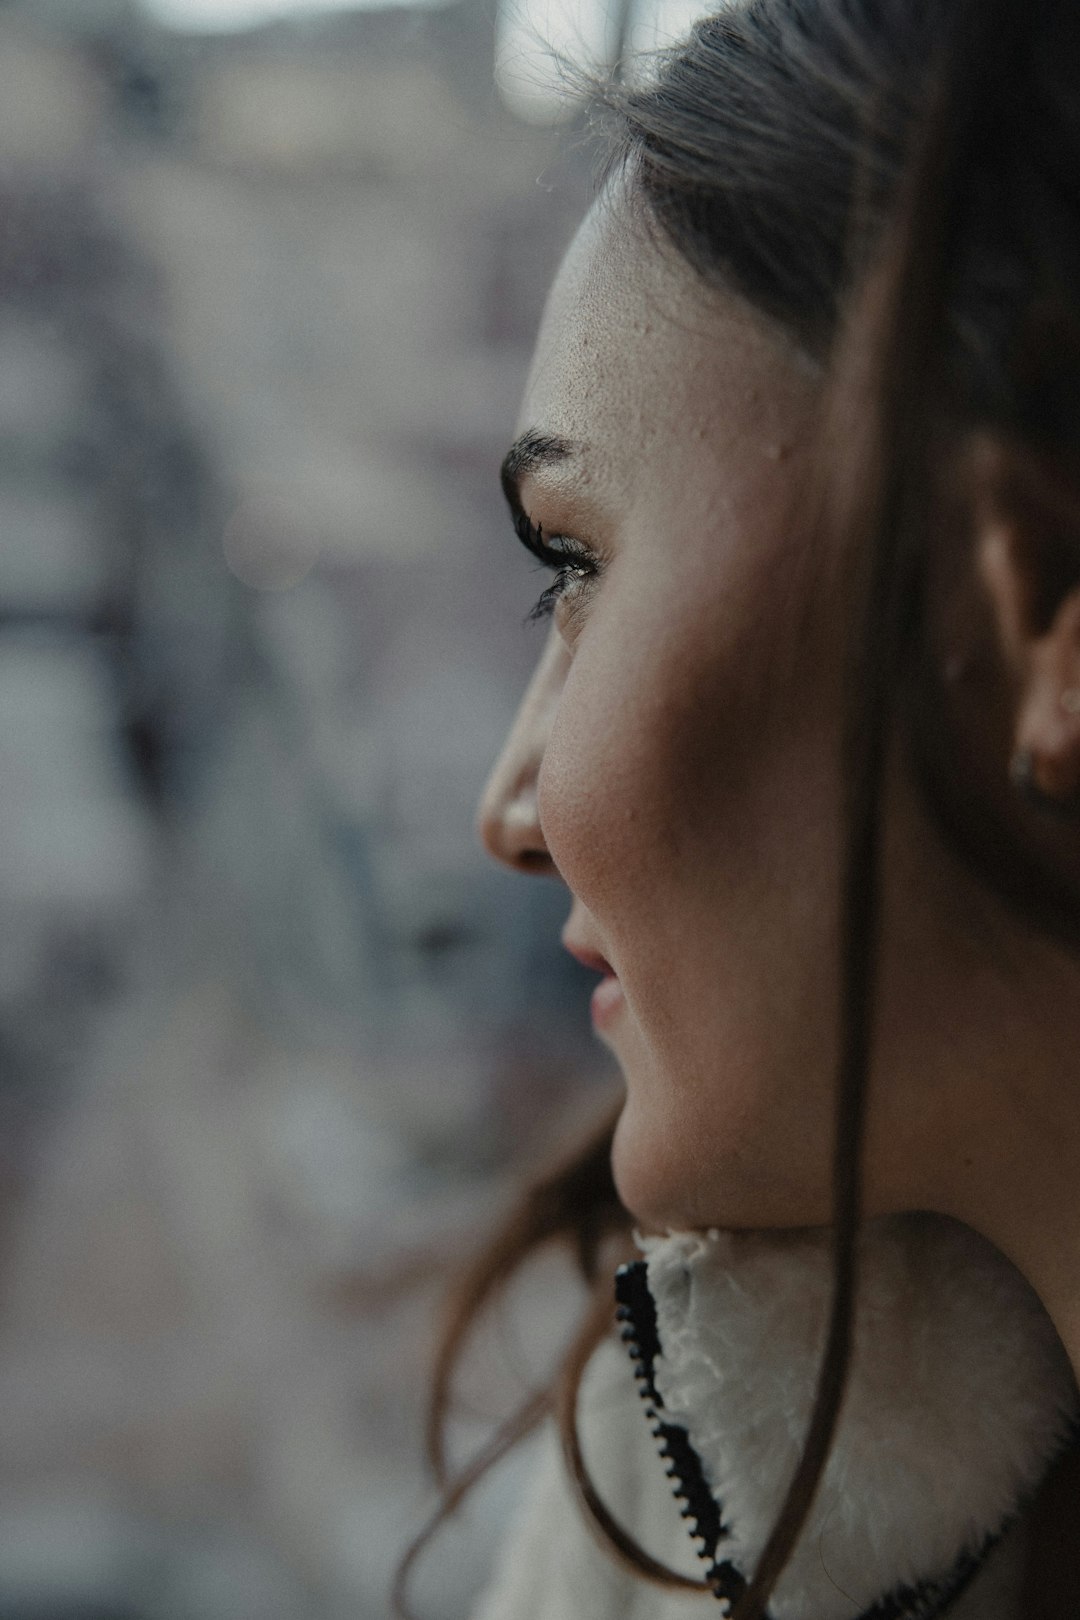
[(508, 819)]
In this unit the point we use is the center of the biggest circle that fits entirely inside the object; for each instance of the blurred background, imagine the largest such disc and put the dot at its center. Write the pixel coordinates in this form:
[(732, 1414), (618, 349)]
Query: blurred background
[(276, 1039)]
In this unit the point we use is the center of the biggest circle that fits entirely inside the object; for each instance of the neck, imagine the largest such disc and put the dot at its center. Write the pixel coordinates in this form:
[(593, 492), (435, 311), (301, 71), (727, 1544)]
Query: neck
[(1035, 1222), (998, 1108), (974, 1105)]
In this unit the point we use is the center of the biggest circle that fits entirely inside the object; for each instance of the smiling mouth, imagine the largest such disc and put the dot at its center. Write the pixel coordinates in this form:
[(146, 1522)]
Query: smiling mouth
[(607, 998), (590, 959), (607, 1002)]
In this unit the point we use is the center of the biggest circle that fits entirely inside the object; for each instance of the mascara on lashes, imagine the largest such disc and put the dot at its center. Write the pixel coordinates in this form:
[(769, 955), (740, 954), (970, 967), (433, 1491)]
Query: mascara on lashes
[(568, 559)]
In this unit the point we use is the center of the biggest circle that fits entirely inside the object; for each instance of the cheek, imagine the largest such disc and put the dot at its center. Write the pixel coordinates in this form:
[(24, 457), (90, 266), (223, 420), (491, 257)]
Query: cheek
[(684, 755), (612, 784), (696, 817)]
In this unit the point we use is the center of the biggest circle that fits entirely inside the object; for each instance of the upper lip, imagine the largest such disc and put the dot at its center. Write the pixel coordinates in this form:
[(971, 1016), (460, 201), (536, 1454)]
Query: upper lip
[(587, 957)]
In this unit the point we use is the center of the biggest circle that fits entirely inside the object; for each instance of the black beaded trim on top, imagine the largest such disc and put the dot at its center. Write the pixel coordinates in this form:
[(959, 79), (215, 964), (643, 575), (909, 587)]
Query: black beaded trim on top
[(636, 1314)]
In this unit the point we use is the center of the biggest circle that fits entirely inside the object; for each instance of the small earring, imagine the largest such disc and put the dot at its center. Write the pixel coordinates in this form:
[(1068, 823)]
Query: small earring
[(1022, 777)]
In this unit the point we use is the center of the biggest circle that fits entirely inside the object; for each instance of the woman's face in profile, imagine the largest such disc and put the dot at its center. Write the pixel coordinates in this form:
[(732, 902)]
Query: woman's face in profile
[(676, 760)]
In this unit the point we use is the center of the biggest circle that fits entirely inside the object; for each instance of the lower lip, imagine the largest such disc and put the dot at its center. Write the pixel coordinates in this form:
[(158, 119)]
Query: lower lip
[(607, 999)]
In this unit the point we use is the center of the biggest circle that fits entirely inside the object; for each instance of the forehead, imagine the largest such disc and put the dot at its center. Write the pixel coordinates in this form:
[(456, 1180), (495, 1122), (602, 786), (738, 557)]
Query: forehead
[(637, 360)]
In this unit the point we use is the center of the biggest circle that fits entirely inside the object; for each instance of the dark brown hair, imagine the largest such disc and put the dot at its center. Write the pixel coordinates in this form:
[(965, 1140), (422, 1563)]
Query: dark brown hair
[(897, 184)]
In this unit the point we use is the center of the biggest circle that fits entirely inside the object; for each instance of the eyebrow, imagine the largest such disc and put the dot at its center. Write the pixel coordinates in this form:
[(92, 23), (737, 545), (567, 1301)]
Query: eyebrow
[(525, 455)]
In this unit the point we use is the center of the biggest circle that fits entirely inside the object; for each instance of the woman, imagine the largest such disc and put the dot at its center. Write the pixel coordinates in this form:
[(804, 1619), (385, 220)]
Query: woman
[(801, 445)]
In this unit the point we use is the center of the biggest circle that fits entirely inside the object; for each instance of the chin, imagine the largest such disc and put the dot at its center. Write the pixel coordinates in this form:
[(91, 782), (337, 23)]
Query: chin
[(688, 1175), (654, 1175)]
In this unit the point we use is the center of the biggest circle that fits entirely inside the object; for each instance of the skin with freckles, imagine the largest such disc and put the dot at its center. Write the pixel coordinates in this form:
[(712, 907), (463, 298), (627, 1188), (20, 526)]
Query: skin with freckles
[(666, 751), (676, 763)]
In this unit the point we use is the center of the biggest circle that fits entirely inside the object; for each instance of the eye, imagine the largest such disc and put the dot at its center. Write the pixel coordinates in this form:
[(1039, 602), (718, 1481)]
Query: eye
[(571, 562)]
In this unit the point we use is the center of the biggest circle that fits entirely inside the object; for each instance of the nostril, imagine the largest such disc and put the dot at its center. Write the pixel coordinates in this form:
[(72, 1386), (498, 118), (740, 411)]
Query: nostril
[(510, 832), (535, 860)]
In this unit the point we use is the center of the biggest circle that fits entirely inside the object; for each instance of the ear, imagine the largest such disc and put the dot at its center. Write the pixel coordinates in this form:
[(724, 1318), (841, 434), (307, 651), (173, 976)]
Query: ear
[(1027, 554)]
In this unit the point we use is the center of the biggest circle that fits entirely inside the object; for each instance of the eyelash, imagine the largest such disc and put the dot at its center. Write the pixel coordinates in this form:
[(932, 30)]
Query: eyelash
[(570, 561)]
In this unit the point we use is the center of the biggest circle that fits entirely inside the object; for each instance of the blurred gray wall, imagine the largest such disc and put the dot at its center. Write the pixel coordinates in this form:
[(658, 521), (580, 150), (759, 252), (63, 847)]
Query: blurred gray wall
[(275, 1038)]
